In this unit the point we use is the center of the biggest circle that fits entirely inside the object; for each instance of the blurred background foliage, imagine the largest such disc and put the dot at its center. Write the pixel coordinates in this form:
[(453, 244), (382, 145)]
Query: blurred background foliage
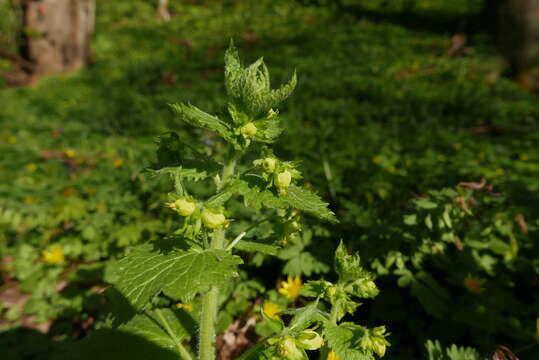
[(387, 122)]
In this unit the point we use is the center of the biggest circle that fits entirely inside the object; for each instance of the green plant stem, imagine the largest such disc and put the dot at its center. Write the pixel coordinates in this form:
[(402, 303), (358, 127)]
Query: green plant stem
[(334, 312), (230, 166), (185, 355), (209, 309), (210, 300)]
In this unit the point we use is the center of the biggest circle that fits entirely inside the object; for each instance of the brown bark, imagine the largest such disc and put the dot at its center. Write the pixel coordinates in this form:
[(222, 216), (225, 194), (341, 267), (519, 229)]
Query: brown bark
[(518, 38), (163, 10), (58, 34)]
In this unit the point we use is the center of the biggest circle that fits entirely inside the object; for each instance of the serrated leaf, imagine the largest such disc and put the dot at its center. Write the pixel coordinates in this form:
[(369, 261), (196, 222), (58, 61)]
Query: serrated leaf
[(347, 266), (304, 317), (254, 246), (304, 264), (233, 70), (155, 325), (181, 161), (315, 288), (304, 200), (194, 116), (252, 188), (345, 339), (281, 94), (179, 172), (180, 274)]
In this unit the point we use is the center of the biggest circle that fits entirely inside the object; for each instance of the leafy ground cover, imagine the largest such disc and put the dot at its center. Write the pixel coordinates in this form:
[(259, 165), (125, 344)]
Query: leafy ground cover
[(392, 131)]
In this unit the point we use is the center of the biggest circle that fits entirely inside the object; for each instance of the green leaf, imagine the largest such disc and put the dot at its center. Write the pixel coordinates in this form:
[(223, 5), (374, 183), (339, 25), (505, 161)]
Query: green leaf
[(308, 202), (304, 317), (180, 274), (233, 70), (254, 246), (423, 203), (281, 94), (194, 116), (252, 188), (410, 219), (163, 327), (347, 266), (345, 339), (315, 288)]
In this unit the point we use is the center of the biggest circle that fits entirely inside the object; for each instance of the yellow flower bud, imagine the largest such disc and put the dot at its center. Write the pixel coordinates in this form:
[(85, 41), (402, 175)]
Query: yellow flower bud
[(310, 340), (249, 130), (213, 219), (185, 207), (283, 179)]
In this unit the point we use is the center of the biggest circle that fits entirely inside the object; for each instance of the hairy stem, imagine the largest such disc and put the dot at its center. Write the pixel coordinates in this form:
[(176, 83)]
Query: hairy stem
[(230, 166), (209, 309), (334, 312), (210, 300)]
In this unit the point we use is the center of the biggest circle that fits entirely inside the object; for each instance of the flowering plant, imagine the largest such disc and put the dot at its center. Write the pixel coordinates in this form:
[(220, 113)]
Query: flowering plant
[(203, 255)]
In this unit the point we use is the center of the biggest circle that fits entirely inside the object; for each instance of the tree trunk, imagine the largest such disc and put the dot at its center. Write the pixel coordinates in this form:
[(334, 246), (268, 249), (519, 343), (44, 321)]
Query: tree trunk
[(518, 38), (163, 10), (58, 34)]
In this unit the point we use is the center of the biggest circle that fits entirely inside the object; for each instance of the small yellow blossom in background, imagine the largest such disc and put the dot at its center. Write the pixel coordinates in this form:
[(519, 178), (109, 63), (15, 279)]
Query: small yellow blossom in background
[(31, 167), (270, 310), (11, 140), (473, 284), (186, 306), (29, 200), (70, 153), (457, 147), (117, 163), (524, 157), (53, 255), (391, 169), (333, 356), (500, 171), (291, 287), (377, 159)]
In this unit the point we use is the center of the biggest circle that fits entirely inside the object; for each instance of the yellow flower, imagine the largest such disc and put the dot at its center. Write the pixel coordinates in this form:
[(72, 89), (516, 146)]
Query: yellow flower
[(474, 284), (391, 169), (117, 163), (186, 306), (291, 287), (457, 146), (53, 255), (11, 140), (376, 159), (70, 153), (524, 157), (29, 200), (31, 167), (500, 171), (333, 356), (270, 310)]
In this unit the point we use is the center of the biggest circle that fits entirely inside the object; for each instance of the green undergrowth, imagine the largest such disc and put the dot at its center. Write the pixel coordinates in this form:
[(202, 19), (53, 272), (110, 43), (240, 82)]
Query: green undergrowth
[(384, 123)]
